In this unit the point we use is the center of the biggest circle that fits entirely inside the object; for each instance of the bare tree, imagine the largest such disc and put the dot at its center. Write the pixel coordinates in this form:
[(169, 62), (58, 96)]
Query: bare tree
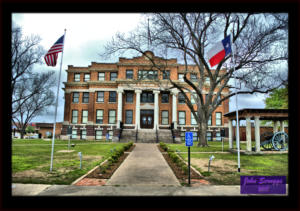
[(31, 92), (25, 53), (41, 97), (260, 41)]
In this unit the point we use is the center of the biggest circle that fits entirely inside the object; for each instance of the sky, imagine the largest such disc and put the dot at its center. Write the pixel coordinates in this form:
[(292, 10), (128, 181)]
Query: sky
[(86, 35)]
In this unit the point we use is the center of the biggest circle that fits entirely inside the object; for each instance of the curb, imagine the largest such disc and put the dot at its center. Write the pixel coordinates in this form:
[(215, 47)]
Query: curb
[(197, 172), (83, 176)]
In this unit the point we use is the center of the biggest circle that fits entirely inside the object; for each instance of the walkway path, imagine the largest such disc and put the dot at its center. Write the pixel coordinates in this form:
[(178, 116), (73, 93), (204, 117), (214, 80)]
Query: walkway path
[(144, 166)]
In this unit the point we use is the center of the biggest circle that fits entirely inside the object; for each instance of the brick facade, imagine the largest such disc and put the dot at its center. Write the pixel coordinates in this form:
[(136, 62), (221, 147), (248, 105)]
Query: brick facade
[(124, 85)]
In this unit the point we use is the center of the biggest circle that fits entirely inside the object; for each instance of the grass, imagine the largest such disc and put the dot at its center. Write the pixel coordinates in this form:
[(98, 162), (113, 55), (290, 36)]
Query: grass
[(31, 160), (260, 165), (213, 146)]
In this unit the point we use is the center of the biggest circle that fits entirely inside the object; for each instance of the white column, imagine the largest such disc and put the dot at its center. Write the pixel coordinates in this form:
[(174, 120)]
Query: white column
[(230, 133), (156, 109), (275, 127), (257, 133), (174, 108), (137, 108), (120, 91), (248, 134), (282, 126)]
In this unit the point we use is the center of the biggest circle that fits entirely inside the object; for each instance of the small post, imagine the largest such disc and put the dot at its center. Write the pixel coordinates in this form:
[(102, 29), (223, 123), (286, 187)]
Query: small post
[(222, 144), (210, 159), (80, 157)]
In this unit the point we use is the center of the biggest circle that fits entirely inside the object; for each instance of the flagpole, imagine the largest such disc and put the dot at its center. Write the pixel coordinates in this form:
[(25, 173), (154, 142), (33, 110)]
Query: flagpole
[(236, 108), (54, 124)]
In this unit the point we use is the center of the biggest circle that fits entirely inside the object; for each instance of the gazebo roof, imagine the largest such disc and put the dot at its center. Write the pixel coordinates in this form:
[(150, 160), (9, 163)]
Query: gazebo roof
[(263, 114)]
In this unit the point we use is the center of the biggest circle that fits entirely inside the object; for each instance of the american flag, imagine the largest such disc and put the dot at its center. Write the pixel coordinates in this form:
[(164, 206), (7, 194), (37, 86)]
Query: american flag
[(52, 54)]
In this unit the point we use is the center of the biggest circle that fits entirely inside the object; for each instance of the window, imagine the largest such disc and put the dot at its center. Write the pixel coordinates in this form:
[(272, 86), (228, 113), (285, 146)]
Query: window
[(98, 134), (195, 136), (166, 74), (164, 117), (75, 97), (147, 74), (87, 77), (218, 136), (101, 76), (181, 117), (83, 134), (218, 118), (193, 120), (129, 74), (112, 97), (84, 118), (165, 97), (112, 117), (74, 116), (77, 77), (208, 136), (113, 76), (85, 97), (147, 97), (110, 133), (194, 77), (129, 97), (100, 96), (193, 98), (181, 98), (128, 116), (182, 135), (74, 134), (99, 117), (207, 81), (209, 121), (180, 77)]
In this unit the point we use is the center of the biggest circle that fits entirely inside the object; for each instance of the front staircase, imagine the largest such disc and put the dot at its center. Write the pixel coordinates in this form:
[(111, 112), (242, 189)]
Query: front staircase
[(146, 136)]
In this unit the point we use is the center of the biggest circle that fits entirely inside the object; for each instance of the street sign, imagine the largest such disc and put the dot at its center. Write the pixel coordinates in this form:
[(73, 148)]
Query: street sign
[(188, 139)]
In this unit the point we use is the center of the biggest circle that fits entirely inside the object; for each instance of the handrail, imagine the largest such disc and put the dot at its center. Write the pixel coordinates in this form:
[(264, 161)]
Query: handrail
[(172, 131), (156, 135), (121, 130), (136, 134)]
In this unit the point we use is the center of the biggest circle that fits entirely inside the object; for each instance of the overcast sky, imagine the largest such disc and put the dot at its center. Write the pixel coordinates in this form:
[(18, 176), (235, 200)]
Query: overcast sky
[(85, 38)]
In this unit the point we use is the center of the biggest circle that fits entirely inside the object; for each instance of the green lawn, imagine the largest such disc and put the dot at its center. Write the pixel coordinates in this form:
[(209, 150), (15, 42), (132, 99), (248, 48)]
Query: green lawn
[(31, 160), (223, 170)]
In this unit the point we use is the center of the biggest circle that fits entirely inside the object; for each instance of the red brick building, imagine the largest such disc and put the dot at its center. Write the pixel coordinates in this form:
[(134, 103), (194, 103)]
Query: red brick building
[(133, 95)]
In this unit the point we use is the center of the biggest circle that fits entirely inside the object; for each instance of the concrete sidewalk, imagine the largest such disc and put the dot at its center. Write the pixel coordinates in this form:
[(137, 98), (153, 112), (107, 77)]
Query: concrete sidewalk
[(70, 190), (144, 166)]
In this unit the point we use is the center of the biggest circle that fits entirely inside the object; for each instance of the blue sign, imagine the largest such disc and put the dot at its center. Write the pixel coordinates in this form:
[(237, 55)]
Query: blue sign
[(188, 139), (107, 136)]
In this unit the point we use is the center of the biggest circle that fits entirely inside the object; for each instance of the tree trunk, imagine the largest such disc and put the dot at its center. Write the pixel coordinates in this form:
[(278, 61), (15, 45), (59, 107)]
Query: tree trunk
[(202, 134)]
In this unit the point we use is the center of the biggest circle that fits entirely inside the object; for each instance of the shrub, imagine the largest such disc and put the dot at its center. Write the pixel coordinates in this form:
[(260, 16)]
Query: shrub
[(163, 146)]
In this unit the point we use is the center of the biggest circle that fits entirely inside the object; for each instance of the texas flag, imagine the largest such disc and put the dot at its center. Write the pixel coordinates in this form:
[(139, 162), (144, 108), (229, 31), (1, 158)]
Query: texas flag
[(219, 51)]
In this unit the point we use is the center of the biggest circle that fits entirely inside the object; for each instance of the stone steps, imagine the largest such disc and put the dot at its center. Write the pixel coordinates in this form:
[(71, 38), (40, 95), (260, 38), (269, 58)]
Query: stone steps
[(147, 136)]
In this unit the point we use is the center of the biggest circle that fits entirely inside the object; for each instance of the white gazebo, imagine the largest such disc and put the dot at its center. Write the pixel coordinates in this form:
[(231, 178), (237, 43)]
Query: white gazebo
[(278, 116)]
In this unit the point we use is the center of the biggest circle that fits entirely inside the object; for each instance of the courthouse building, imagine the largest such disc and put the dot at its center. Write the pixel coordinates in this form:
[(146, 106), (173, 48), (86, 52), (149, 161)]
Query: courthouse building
[(132, 100)]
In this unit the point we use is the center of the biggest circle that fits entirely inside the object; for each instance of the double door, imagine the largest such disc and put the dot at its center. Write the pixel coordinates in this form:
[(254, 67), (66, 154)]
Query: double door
[(147, 118)]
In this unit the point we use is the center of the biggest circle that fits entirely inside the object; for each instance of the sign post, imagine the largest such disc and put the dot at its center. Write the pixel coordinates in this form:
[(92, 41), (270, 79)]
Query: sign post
[(189, 143)]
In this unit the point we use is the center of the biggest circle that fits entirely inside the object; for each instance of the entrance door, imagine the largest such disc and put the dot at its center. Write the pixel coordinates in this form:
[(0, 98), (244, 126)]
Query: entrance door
[(147, 118)]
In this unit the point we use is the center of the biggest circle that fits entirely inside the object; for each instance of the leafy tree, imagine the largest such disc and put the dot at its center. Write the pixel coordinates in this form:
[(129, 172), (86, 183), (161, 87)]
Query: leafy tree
[(30, 129), (278, 99), (260, 41)]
